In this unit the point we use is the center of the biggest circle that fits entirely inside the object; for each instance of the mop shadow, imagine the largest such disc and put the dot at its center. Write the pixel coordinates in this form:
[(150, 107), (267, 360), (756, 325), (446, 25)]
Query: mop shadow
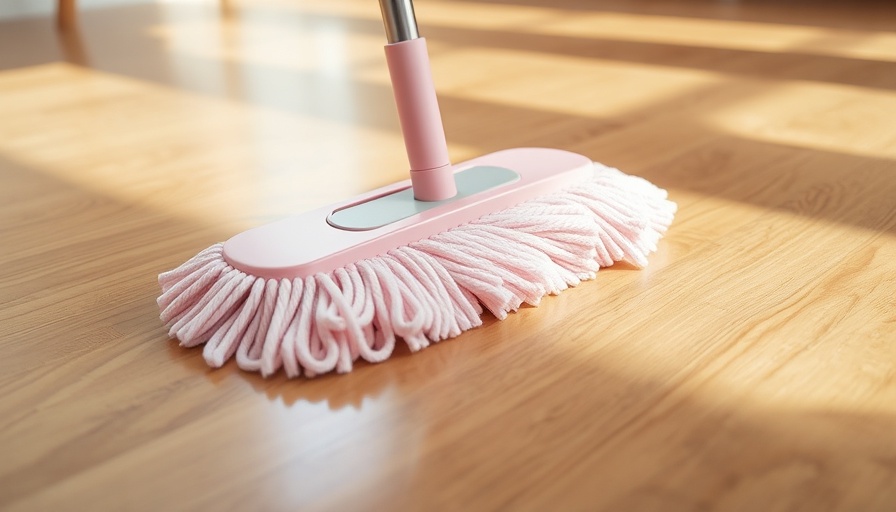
[(366, 381), (338, 391), (403, 373), (399, 374)]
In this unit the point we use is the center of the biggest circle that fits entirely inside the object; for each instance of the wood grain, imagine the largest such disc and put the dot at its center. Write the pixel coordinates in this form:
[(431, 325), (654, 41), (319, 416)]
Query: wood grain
[(752, 366)]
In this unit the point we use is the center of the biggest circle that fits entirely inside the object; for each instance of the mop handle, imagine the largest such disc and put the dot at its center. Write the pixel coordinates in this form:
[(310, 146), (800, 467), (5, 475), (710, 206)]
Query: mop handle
[(418, 108)]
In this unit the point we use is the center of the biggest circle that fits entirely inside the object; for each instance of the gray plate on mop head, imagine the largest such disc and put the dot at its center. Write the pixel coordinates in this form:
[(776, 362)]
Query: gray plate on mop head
[(385, 210)]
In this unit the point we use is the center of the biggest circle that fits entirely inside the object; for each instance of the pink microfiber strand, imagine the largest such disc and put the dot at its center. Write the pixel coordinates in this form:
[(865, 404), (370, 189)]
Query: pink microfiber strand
[(427, 291)]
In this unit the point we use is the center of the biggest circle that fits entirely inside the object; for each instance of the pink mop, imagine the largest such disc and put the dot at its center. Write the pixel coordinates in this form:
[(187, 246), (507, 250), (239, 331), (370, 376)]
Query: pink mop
[(416, 261)]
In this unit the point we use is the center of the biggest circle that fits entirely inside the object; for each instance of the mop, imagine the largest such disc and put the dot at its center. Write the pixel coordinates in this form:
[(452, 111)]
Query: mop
[(417, 261)]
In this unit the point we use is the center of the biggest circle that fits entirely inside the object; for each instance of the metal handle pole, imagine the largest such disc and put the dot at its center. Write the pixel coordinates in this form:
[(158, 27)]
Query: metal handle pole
[(399, 20)]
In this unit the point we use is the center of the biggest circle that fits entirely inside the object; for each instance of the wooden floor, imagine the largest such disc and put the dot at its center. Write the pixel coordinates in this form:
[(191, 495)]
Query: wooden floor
[(751, 367)]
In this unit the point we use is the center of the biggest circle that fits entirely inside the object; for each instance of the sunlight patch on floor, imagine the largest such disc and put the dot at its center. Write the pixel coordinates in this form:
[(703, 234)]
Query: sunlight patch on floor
[(703, 32), (827, 117), (188, 153), (259, 38), (657, 29), (726, 34), (551, 83)]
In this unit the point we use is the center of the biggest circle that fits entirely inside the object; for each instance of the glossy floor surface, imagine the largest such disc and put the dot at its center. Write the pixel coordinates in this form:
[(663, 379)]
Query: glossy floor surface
[(752, 366)]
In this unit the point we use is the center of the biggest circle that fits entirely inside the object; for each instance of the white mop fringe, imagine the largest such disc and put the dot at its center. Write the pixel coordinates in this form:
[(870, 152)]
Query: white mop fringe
[(425, 292)]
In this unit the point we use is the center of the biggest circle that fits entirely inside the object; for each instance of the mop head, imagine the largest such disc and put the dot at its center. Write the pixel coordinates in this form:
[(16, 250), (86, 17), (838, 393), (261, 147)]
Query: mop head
[(427, 291)]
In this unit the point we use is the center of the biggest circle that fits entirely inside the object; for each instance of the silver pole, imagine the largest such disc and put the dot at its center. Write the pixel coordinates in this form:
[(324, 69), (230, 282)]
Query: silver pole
[(399, 20)]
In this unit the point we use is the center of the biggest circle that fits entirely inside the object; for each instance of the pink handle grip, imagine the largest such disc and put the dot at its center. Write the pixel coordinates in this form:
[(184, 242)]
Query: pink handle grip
[(421, 121)]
